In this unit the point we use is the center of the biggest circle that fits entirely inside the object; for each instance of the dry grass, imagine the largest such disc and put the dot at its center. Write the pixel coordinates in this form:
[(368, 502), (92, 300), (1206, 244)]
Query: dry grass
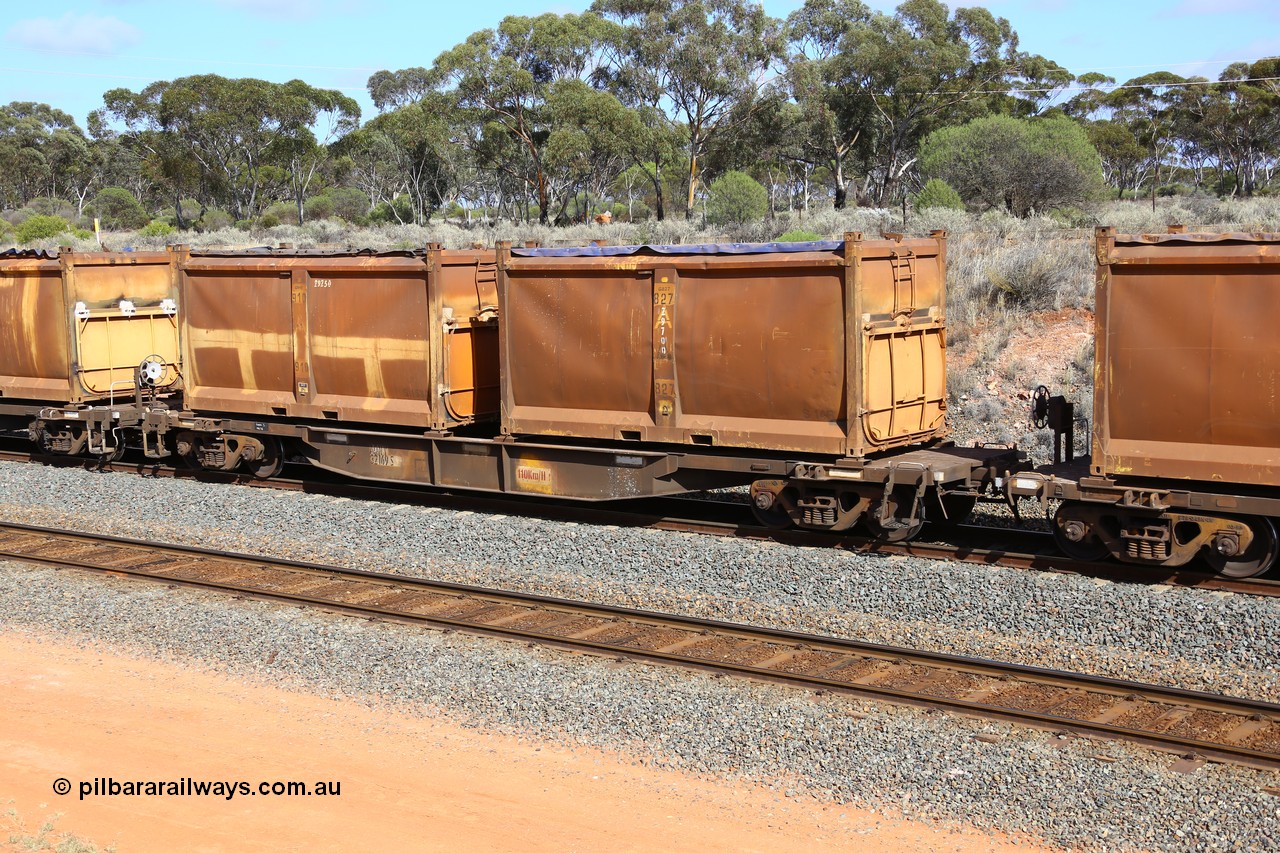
[(969, 232), (44, 837)]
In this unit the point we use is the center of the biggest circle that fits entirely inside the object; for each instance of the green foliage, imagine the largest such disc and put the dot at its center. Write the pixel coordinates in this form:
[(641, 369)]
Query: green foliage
[(629, 103), (319, 207), (215, 219), (1017, 165), (40, 227), (398, 211), (51, 207), (117, 209), (156, 228), (703, 56), (798, 235), (235, 135), (347, 203), (735, 198), (280, 213), (350, 204), (938, 193)]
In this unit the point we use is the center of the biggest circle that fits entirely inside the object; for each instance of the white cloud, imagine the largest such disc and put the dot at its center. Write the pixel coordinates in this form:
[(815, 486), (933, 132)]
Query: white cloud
[(72, 32)]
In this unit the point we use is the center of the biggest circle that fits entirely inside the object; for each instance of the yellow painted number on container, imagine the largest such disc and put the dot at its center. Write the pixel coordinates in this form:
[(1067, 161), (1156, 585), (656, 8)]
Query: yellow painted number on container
[(322, 282)]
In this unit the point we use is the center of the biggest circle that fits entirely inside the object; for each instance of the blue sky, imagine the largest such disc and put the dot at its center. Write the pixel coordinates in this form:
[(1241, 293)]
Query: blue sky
[(68, 53)]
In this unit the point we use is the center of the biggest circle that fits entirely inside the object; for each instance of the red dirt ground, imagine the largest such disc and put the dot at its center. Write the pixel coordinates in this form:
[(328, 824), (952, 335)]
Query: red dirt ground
[(407, 783)]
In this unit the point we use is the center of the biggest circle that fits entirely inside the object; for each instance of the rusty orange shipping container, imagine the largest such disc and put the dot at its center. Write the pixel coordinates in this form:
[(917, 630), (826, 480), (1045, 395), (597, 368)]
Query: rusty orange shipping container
[(401, 338), (835, 347), (77, 325), (1188, 357)]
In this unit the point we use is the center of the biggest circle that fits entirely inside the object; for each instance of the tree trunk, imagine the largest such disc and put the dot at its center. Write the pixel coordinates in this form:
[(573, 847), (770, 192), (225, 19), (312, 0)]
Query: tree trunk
[(659, 207), (693, 186)]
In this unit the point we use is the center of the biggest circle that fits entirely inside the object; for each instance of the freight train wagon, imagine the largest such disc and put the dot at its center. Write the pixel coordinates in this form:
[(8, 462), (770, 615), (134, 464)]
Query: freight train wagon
[(1186, 425), (813, 373)]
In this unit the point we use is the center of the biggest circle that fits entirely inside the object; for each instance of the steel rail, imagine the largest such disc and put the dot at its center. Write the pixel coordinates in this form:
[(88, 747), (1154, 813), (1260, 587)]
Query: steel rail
[(1194, 724)]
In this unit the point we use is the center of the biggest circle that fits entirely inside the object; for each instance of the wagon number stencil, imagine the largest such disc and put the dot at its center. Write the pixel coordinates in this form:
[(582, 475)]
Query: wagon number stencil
[(664, 372)]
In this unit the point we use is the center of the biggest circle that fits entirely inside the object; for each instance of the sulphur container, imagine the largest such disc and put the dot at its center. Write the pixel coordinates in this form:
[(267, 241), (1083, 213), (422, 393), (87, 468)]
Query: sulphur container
[(834, 347), (78, 325), (1188, 359), (397, 338)]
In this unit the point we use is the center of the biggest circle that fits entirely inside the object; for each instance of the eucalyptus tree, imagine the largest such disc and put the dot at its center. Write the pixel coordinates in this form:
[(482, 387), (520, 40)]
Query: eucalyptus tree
[(923, 68), (1235, 123), (587, 148), (872, 85), (502, 80), (43, 152), (689, 65), (1147, 105), (834, 114), (415, 146), (241, 134)]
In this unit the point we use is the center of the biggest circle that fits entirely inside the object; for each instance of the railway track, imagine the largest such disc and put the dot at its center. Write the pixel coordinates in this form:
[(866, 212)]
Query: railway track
[(1198, 726), (1008, 547)]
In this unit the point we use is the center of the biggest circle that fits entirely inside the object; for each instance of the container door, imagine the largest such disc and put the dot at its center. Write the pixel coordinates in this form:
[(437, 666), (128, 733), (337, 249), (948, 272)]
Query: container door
[(904, 377), (905, 384), (122, 314)]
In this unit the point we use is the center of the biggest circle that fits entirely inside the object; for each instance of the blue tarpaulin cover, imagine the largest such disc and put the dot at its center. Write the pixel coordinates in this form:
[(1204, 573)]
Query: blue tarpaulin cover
[(692, 249)]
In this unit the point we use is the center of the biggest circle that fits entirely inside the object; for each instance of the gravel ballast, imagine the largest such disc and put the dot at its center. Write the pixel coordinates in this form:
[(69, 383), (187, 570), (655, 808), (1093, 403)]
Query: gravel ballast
[(829, 747), (925, 764), (1196, 639)]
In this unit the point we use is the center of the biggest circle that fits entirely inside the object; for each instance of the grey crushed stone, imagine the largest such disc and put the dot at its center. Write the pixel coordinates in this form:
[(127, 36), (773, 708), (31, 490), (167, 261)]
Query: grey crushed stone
[(900, 760), (894, 757), (1195, 639)]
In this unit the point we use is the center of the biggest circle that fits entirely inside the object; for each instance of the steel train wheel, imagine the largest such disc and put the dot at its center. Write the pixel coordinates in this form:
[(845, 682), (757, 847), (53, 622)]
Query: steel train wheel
[(775, 517), (1089, 549), (272, 461), (1257, 558)]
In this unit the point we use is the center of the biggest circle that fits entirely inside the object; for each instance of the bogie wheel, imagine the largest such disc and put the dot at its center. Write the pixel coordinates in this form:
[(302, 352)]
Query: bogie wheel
[(896, 529), (1259, 557), (775, 517), (948, 510), (271, 462), (774, 514), (1075, 538)]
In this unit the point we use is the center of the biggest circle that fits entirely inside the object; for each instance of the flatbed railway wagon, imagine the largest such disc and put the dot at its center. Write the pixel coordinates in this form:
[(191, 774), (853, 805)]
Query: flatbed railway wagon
[(815, 374), (1185, 459), (829, 357)]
